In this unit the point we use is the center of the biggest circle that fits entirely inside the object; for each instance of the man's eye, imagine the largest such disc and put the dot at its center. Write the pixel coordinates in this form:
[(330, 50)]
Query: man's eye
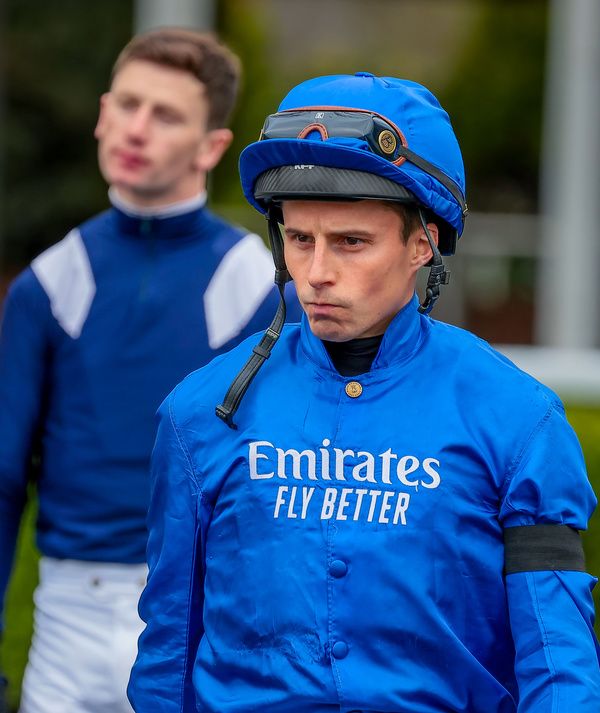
[(127, 103), (353, 241), (168, 117)]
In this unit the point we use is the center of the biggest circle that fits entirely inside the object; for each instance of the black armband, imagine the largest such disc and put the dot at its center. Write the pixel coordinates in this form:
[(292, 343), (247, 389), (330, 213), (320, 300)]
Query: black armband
[(537, 548)]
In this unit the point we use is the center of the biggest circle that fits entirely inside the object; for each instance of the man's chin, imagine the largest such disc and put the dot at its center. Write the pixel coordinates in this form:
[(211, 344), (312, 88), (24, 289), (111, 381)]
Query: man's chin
[(328, 331), (138, 192), (124, 181)]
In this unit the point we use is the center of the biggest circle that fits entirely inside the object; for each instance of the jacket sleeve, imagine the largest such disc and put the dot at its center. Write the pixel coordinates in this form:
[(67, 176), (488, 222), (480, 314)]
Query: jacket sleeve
[(23, 363), (171, 604), (552, 611)]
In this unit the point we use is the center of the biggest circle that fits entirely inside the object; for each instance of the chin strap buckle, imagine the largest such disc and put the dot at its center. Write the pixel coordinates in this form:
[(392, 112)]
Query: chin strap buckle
[(438, 274)]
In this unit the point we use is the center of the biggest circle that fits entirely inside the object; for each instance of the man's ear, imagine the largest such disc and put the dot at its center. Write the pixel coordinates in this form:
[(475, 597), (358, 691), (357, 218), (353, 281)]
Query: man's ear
[(213, 146), (423, 252), (99, 130)]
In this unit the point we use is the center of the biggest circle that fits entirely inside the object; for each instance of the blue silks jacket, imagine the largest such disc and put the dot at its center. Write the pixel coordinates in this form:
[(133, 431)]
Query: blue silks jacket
[(95, 333), (343, 550)]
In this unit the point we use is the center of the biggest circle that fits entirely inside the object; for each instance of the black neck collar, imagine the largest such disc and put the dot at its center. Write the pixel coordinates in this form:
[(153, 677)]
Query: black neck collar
[(355, 356)]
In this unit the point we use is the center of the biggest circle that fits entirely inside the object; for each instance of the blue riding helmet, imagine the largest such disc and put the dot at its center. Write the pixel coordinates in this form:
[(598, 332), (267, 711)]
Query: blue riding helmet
[(360, 136)]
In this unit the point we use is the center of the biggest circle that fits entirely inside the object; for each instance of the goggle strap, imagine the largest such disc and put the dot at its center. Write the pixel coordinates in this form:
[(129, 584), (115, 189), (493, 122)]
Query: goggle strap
[(430, 169), (262, 351)]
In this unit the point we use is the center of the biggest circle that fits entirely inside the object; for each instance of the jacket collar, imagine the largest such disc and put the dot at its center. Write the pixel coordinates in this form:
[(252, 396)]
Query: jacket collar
[(400, 342), (170, 221)]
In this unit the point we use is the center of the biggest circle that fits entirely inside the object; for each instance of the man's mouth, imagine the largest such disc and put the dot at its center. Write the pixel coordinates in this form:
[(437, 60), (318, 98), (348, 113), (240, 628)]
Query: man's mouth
[(322, 309), (130, 160)]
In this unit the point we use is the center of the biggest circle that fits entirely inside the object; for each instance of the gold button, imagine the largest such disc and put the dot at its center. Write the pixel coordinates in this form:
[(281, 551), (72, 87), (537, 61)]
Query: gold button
[(353, 389)]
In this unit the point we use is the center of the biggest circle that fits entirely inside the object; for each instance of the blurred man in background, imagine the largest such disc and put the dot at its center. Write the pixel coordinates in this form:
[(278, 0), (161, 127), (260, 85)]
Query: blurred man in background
[(95, 333)]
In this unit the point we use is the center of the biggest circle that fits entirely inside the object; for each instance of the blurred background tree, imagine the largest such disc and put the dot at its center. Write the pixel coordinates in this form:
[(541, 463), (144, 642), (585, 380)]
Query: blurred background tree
[(484, 59), (58, 58), (495, 98)]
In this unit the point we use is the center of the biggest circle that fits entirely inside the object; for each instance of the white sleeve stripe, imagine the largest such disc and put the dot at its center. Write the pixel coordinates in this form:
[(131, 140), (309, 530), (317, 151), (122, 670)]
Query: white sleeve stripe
[(243, 279), (65, 273)]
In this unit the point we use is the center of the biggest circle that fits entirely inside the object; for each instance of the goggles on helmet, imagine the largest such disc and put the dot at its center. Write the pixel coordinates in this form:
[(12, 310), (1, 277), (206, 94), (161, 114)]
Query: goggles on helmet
[(380, 135)]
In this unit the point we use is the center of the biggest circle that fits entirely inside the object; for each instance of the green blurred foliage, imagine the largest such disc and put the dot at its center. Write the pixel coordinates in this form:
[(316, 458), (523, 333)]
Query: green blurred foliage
[(495, 99), (484, 59), (586, 423), (243, 27), (18, 612), (58, 56)]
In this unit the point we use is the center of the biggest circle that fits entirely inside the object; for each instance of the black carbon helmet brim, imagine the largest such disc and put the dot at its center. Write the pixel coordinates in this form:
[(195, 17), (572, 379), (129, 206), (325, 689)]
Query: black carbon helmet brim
[(288, 182), (314, 182)]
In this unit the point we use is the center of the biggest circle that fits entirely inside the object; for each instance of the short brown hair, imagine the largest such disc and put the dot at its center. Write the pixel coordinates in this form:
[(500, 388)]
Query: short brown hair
[(198, 53), (409, 214)]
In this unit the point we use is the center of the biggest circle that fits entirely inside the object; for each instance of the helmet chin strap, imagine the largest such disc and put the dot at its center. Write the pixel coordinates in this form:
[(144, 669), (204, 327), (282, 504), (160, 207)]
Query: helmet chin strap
[(262, 351), (438, 275)]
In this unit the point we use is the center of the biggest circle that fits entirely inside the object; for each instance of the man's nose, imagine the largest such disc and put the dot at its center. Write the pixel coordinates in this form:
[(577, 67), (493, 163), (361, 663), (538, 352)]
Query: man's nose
[(139, 124), (322, 267)]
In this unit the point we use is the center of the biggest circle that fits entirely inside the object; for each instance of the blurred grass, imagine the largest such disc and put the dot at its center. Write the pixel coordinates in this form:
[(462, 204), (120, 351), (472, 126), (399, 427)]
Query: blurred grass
[(19, 608), (13, 651), (586, 422)]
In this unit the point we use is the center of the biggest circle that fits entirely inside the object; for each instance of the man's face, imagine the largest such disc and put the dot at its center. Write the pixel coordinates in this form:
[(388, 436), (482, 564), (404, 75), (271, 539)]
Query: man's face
[(153, 145), (352, 271)]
